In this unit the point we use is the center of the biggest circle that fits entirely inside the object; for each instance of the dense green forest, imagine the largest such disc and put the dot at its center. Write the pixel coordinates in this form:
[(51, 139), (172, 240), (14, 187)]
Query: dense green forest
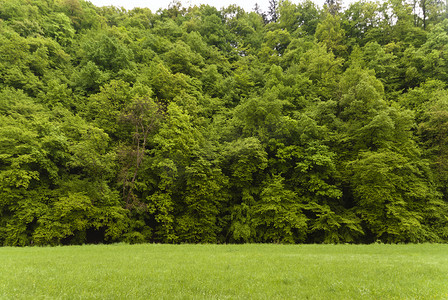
[(202, 125)]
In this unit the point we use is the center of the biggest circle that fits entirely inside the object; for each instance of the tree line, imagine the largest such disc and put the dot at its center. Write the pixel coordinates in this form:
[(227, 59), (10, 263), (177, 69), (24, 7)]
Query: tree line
[(203, 125)]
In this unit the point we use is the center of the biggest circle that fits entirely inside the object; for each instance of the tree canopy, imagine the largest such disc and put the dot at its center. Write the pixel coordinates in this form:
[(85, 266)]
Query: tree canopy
[(202, 125)]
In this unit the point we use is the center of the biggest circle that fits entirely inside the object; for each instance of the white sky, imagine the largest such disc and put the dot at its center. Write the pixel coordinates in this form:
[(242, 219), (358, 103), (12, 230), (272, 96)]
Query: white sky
[(154, 5)]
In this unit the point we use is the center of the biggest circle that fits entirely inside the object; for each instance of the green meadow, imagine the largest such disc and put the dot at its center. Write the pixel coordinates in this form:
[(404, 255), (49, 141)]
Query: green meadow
[(157, 271)]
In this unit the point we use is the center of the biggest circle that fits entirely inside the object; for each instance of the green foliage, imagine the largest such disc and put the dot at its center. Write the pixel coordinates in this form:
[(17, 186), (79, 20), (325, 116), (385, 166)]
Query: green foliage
[(43, 194), (199, 125), (278, 215), (330, 33), (390, 191)]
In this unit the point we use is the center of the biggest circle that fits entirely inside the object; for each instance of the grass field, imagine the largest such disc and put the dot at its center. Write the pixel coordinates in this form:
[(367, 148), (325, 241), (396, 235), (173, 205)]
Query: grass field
[(225, 272)]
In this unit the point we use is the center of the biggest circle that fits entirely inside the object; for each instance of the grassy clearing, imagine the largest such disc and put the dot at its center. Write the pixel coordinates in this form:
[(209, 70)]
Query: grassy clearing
[(226, 272)]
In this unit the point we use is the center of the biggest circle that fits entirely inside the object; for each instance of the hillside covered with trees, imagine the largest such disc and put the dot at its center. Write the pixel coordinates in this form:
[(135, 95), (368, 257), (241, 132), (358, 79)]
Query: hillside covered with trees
[(199, 125)]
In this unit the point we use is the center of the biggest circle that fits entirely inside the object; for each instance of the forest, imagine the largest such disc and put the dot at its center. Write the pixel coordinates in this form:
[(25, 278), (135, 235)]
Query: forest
[(202, 125)]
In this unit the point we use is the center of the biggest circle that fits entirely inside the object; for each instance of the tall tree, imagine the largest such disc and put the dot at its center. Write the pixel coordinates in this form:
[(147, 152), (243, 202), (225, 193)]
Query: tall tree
[(333, 6), (273, 11), (144, 116)]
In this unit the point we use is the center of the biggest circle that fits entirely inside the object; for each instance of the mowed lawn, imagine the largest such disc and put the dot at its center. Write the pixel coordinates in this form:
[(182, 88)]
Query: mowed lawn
[(225, 272)]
